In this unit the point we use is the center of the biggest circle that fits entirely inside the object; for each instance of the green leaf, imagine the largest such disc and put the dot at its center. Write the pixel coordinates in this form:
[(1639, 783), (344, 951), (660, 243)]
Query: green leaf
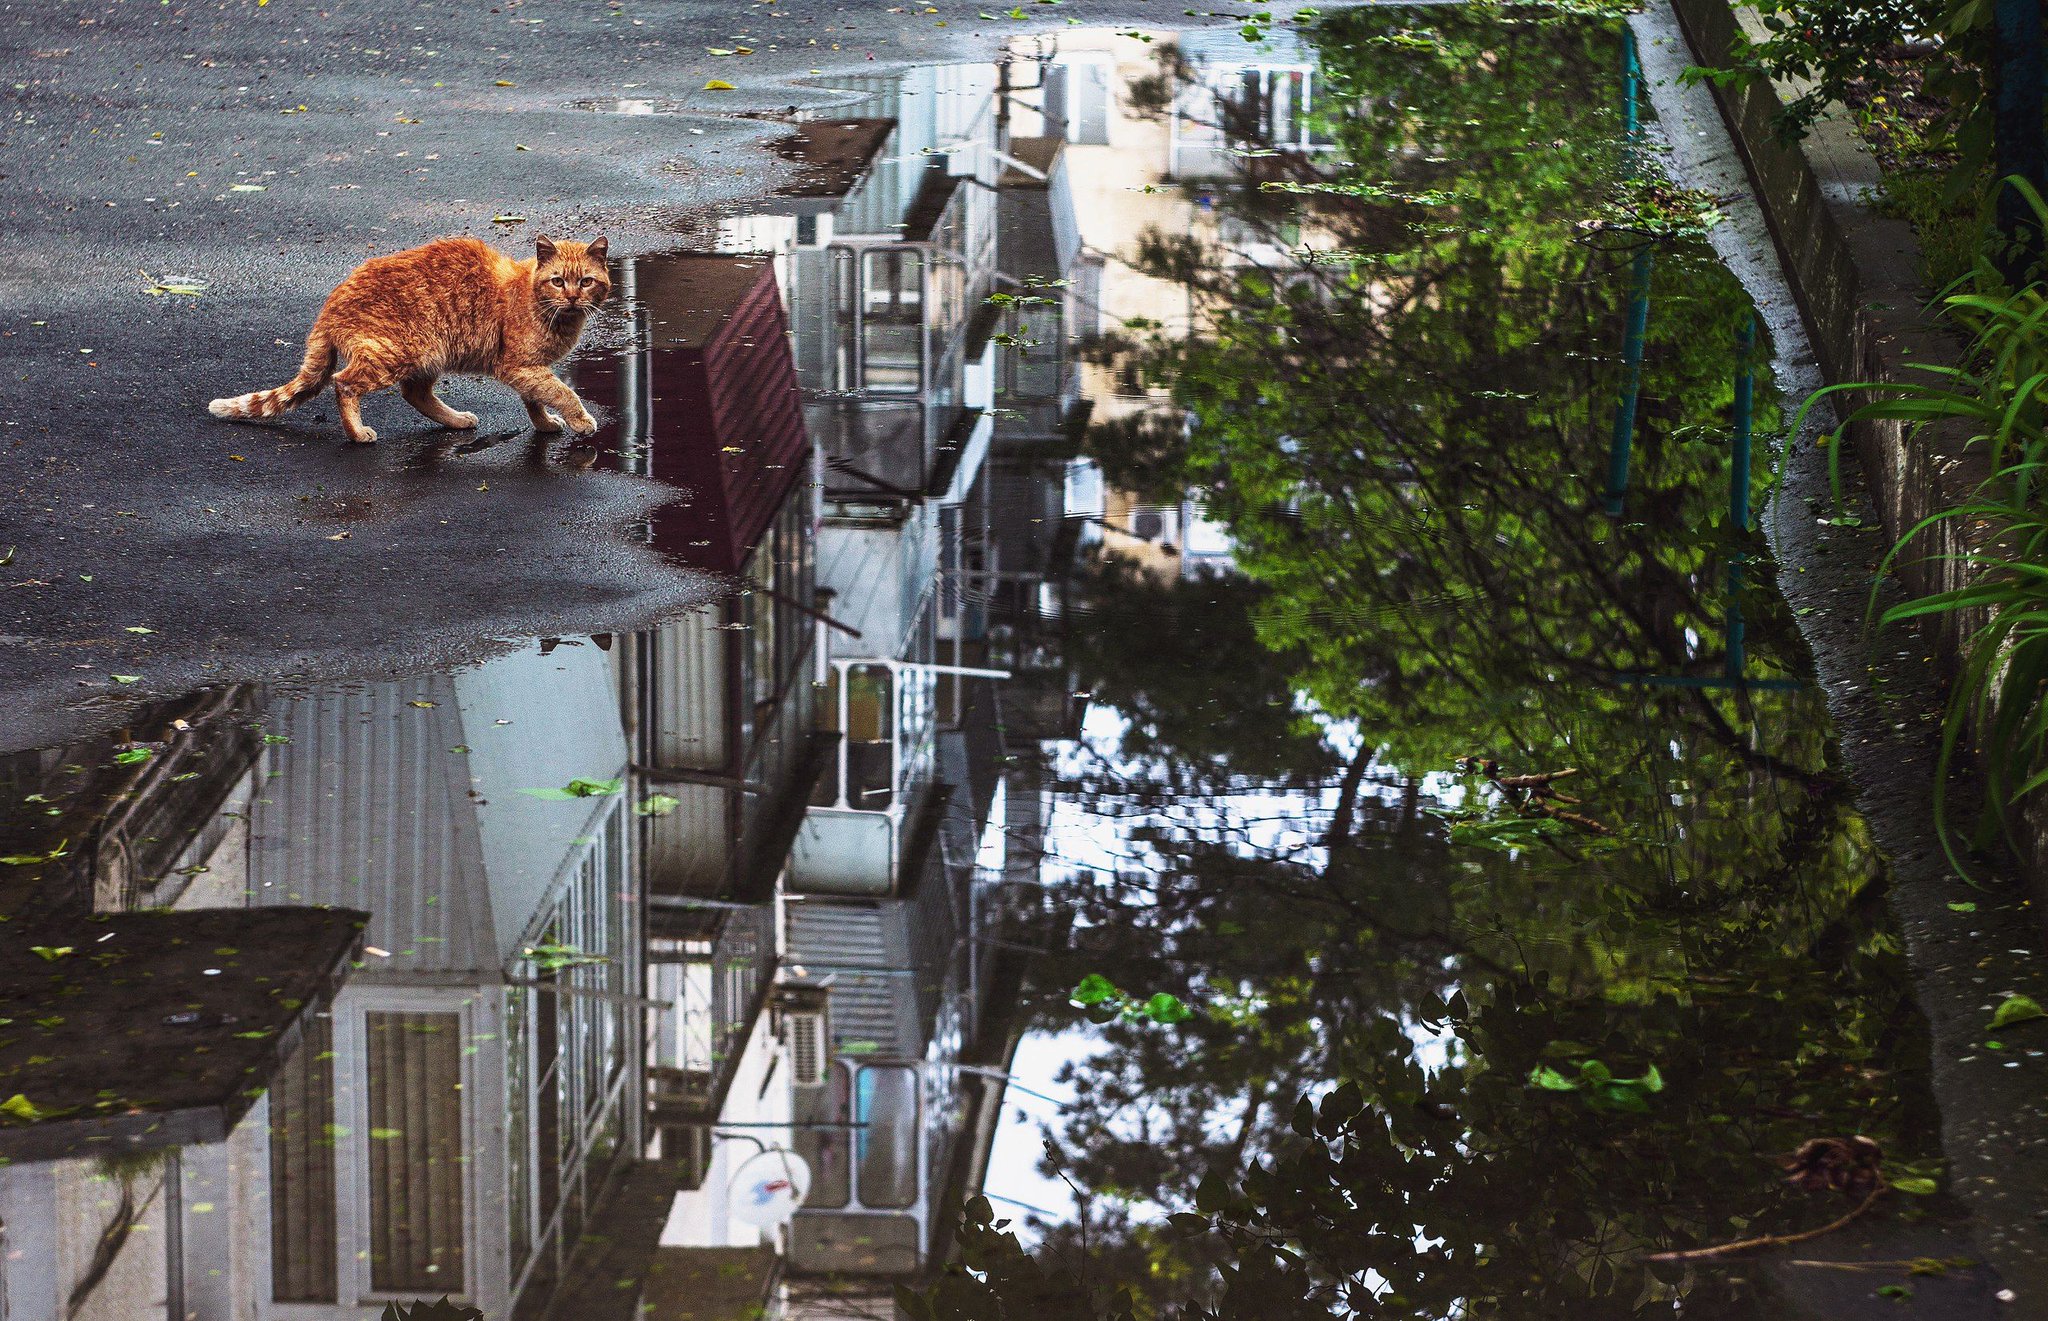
[(21, 1108), (51, 953), (1963, 907), (34, 859), (124, 678), (1164, 1008), (658, 805), (132, 756), (582, 788), (1095, 989), (1917, 1185), (1550, 1080), (2016, 1009)]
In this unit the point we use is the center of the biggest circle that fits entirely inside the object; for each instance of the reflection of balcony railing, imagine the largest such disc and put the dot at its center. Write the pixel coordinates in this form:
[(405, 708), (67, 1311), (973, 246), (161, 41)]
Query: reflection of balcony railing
[(710, 969)]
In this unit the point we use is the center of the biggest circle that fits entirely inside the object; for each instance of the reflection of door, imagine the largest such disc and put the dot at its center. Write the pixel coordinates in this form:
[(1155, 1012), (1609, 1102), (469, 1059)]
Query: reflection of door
[(417, 1230)]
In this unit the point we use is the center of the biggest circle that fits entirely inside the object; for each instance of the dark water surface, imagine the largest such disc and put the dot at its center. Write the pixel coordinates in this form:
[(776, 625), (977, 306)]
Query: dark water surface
[(1240, 597)]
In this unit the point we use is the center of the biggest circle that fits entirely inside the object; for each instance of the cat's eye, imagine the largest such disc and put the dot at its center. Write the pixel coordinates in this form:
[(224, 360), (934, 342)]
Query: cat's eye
[(587, 281), (555, 280)]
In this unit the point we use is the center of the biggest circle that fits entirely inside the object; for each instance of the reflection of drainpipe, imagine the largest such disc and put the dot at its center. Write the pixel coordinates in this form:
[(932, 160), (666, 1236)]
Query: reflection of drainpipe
[(174, 1235)]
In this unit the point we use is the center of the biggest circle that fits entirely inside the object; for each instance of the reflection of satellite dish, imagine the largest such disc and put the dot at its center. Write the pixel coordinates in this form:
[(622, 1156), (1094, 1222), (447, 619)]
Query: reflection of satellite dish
[(767, 1188)]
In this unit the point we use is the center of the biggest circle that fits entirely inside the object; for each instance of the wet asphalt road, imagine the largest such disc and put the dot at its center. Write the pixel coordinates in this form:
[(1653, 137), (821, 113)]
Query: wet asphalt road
[(263, 150)]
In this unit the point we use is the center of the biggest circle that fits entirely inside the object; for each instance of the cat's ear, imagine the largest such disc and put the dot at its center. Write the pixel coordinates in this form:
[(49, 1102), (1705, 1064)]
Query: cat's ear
[(598, 247), (544, 248)]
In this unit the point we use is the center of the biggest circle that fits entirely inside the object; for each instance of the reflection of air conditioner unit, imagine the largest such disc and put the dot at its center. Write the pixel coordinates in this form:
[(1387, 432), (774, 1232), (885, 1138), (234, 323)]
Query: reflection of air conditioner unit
[(805, 1031)]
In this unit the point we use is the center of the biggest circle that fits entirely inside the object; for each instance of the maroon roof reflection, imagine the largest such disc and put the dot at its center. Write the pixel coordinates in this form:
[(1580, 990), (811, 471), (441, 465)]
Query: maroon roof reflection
[(713, 397)]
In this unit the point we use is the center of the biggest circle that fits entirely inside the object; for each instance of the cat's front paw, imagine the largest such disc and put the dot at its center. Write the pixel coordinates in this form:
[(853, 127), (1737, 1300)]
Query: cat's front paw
[(461, 422), (364, 437), (544, 423), (583, 424)]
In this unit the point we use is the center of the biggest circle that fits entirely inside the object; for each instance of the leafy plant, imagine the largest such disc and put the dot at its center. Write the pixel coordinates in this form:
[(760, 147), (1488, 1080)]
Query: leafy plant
[(1836, 47), (1999, 393), (421, 1310)]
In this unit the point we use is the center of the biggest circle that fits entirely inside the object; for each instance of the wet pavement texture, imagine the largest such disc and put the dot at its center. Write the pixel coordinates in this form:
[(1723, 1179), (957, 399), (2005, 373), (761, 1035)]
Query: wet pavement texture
[(137, 137), (1170, 630)]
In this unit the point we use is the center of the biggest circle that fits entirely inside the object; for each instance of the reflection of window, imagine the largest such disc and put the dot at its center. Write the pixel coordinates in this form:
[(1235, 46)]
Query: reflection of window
[(860, 1134), (887, 1140), (878, 305), (1277, 107), (892, 319)]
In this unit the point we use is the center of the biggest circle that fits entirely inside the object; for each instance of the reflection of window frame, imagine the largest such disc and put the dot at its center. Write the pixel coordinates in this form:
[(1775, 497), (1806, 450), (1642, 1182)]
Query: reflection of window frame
[(577, 1092), (838, 1153), (901, 717), (1251, 90), (855, 310)]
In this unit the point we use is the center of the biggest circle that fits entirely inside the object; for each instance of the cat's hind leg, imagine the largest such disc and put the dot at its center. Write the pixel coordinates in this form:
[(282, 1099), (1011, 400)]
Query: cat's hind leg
[(419, 392), (365, 374)]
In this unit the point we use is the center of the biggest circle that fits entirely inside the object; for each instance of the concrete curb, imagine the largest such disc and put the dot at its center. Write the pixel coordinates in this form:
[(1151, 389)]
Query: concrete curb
[(1966, 948), (1855, 274)]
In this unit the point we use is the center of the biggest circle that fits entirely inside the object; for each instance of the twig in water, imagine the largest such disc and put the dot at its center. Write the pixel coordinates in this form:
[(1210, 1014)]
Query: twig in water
[(1770, 1240)]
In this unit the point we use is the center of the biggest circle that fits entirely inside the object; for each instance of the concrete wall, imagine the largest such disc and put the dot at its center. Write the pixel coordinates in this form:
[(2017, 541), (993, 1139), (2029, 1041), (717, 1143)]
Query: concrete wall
[(1856, 275)]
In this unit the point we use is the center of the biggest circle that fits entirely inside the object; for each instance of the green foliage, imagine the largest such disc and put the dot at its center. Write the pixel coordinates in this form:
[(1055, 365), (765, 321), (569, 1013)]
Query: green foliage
[(422, 1310), (1105, 1002), (1405, 434), (1598, 1087), (579, 787), (1996, 402), (1832, 47)]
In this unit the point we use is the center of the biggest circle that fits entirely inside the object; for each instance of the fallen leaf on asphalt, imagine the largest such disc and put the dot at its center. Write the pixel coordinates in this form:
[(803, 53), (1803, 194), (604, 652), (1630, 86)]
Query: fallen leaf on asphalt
[(246, 187), (508, 220), (719, 85), (339, 536), (521, 146), (137, 628), (124, 678), (503, 83)]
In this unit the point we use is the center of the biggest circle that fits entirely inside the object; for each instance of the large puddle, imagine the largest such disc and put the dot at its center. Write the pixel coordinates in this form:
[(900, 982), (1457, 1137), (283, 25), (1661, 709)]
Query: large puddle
[(1249, 723)]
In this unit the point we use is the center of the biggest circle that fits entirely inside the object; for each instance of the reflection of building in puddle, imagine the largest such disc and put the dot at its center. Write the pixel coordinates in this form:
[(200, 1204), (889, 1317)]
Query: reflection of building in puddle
[(474, 1086), (641, 909), (1157, 128), (148, 1006)]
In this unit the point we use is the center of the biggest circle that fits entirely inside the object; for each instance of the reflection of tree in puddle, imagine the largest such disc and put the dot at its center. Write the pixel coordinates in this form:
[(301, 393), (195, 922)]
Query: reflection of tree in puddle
[(1406, 438)]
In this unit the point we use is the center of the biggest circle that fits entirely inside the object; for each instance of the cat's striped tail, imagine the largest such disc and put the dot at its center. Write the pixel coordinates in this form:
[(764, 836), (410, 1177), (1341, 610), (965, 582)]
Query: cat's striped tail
[(313, 373)]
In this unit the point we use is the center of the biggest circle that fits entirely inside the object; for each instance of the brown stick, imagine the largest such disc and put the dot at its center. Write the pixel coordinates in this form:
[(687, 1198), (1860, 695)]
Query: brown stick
[(1770, 1240)]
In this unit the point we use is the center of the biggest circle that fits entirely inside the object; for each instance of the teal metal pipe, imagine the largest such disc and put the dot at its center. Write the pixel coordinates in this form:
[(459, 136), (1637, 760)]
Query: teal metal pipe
[(1632, 379)]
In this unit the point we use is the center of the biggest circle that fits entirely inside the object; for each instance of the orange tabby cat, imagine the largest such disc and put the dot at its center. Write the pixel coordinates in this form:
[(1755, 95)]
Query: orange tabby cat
[(454, 305)]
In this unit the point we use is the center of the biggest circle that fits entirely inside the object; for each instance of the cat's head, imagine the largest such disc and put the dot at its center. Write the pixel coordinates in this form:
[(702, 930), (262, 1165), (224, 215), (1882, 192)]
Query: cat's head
[(569, 276)]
